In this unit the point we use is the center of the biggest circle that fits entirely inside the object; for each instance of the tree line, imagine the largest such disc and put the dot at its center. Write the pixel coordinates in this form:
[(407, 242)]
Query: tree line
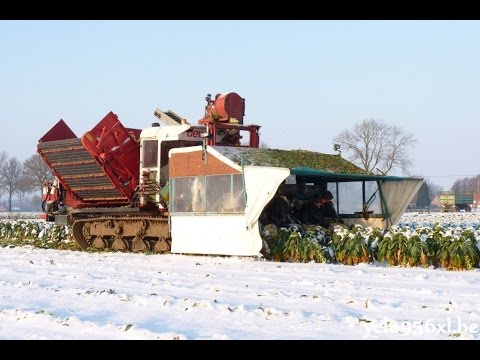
[(467, 184), (22, 178)]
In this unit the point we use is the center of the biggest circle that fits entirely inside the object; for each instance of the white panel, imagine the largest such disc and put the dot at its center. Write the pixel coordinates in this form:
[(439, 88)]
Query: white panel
[(398, 195), (214, 234), (261, 184)]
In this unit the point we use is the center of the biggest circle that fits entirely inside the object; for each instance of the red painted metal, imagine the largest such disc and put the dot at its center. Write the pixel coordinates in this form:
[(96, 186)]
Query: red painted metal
[(224, 120), (224, 108), (229, 106), (116, 149), (99, 169), (233, 136), (60, 131)]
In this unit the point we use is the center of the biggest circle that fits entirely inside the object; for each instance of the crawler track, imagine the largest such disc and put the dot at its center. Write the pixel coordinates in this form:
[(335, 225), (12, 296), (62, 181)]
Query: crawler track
[(137, 233)]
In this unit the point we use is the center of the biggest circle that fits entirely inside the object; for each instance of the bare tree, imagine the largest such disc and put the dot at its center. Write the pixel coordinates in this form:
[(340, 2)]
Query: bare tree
[(467, 184), (433, 189), (376, 145), (35, 173), (24, 188), (10, 176), (3, 159)]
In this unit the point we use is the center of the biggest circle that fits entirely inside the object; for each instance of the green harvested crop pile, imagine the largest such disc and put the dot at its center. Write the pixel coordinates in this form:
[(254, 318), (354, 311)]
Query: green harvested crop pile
[(295, 158)]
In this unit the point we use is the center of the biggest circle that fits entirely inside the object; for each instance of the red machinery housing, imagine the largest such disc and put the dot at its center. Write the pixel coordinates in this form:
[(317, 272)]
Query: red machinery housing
[(224, 120), (99, 169)]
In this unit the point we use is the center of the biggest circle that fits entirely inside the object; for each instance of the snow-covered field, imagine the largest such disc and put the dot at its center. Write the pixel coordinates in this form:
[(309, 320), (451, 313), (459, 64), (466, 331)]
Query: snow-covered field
[(54, 294)]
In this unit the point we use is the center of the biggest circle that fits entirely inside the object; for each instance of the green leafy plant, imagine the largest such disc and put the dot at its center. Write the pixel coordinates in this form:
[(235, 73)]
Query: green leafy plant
[(393, 247), (416, 251), (351, 246), (458, 253)]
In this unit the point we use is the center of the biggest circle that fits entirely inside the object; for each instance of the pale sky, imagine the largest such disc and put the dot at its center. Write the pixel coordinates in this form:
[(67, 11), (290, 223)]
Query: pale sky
[(303, 81)]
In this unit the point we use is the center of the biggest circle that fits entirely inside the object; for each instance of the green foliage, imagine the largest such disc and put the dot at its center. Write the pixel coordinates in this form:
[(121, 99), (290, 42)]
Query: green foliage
[(279, 244), (351, 246), (304, 248), (296, 158), (458, 253), (297, 244), (416, 252), (38, 234), (393, 248), (373, 236), (453, 248), (433, 238)]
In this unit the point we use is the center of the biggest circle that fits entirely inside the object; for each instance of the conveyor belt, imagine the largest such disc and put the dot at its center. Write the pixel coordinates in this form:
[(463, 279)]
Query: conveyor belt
[(79, 170)]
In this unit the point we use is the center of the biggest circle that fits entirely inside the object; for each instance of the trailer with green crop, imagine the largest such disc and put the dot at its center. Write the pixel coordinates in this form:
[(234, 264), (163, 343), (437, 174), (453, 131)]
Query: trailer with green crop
[(451, 201)]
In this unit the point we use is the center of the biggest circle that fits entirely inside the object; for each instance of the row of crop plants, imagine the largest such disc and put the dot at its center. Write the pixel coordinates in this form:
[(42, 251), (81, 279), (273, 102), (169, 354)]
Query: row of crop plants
[(38, 234), (452, 248), (448, 245)]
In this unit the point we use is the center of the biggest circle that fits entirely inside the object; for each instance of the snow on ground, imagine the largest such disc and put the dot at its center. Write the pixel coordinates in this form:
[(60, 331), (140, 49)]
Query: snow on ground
[(54, 294)]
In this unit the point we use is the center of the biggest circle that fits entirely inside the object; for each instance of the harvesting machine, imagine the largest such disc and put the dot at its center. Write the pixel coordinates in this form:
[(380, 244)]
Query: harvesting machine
[(200, 189)]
